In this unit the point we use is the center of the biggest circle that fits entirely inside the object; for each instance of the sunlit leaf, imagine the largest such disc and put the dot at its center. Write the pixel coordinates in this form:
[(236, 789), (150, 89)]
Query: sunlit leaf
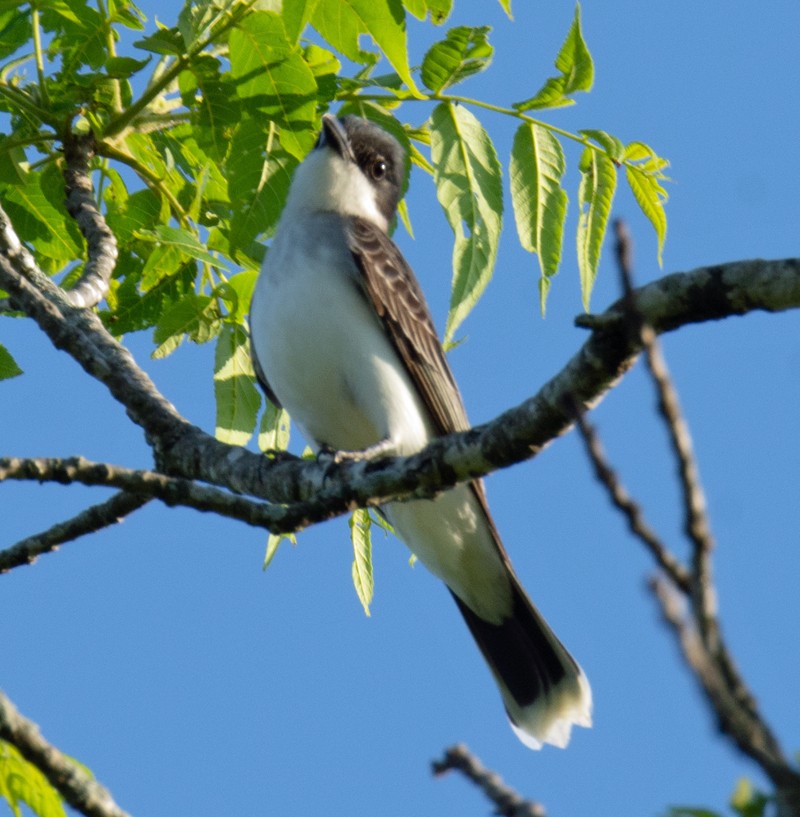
[(273, 434), (273, 78), (595, 197), (8, 366), (36, 209), (258, 182), (341, 22), (576, 72), (360, 535), (195, 316), (644, 172), (464, 52), (238, 398), (22, 783), (273, 542), (540, 203), (469, 188), (612, 146)]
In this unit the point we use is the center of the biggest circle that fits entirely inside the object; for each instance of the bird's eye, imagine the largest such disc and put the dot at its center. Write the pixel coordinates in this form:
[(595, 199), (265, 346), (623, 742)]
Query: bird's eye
[(378, 169)]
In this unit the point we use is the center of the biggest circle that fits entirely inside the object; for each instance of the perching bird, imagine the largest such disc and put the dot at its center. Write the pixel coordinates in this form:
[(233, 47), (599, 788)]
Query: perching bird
[(342, 337)]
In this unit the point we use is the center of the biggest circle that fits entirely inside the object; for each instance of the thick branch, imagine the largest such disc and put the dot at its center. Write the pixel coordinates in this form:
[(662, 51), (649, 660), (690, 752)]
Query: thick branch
[(101, 243), (90, 520), (74, 785), (516, 435)]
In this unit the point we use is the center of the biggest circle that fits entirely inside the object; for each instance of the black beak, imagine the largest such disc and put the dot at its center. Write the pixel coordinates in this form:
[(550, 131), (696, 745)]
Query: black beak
[(335, 136)]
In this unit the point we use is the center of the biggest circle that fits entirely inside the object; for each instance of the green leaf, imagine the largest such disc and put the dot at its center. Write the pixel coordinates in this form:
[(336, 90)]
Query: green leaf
[(237, 291), (325, 67), (15, 31), (540, 203), (274, 78), (506, 4), (164, 41), (464, 52), (748, 801), (131, 310), (194, 315), (341, 22), (216, 109), (238, 399), (595, 196), (124, 67), (8, 366), (363, 580), (273, 435), (79, 34), (187, 242), (22, 782), (576, 72), (684, 811), (296, 15), (644, 172), (612, 146), (469, 188), (438, 9), (259, 173), (36, 209), (273, 542)]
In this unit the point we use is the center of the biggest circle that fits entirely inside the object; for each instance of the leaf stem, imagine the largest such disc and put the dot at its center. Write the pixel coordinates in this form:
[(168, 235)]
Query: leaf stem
[(152, 180), (488, 106), (111, 47), (37, 48), (24, 102), (127, 116)]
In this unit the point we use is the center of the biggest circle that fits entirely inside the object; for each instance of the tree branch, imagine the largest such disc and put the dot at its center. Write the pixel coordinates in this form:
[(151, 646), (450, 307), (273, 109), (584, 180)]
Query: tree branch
[(74, 785), (326, 490), (507, 802), (743, 724), (698, 634), (101, 243), (92, 519), (144, 484), (632, 512)]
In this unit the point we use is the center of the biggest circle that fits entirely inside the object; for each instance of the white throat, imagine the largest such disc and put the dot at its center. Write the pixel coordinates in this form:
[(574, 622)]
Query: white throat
[(327, 183)]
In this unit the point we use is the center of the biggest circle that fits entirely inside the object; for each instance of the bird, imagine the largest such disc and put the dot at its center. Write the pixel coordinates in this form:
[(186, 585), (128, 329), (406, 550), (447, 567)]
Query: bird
[(341, 337)]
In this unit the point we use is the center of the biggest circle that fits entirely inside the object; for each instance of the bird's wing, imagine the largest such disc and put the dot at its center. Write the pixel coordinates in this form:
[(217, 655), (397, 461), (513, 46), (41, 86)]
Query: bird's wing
[(392, 288), (260, 376)]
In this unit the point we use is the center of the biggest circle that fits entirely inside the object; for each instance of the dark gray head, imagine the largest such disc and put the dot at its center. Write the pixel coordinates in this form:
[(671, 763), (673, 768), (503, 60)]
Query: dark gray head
[(377, 154)]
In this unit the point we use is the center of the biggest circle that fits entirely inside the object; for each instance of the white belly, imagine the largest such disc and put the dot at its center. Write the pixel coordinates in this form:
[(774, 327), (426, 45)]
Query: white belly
[(331, 364), (326, 356)]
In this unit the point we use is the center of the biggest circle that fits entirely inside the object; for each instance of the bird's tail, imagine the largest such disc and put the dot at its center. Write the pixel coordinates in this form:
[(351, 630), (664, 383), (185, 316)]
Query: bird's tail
[(544, 690)]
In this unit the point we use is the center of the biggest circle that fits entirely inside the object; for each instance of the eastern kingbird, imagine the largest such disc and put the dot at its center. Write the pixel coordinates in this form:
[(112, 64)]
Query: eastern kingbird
[(342, 337)]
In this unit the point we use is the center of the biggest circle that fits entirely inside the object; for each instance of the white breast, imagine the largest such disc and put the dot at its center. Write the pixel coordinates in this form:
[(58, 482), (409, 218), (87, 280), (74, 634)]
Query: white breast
[(323, 349)]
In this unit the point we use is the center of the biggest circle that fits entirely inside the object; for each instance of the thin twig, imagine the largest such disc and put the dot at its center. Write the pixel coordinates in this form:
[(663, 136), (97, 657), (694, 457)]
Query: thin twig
[(507, 802), (94, 518), (629, 508), (147, 484), (696, 525), (75, 786), (743, 724)]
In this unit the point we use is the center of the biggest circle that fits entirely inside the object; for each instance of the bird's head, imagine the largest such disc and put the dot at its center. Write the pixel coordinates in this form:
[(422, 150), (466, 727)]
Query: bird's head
[(355, 169)]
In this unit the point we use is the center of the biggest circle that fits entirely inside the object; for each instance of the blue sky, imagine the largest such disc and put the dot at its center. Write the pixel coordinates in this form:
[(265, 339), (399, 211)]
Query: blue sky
[(191, 682)]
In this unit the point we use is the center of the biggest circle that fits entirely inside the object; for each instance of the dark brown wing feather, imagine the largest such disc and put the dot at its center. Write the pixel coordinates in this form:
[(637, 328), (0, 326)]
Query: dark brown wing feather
[(393, 290), (395, 294)]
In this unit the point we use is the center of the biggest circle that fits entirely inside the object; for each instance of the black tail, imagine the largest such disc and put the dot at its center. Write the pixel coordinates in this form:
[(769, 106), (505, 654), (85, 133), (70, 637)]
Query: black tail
[(543, 688)]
